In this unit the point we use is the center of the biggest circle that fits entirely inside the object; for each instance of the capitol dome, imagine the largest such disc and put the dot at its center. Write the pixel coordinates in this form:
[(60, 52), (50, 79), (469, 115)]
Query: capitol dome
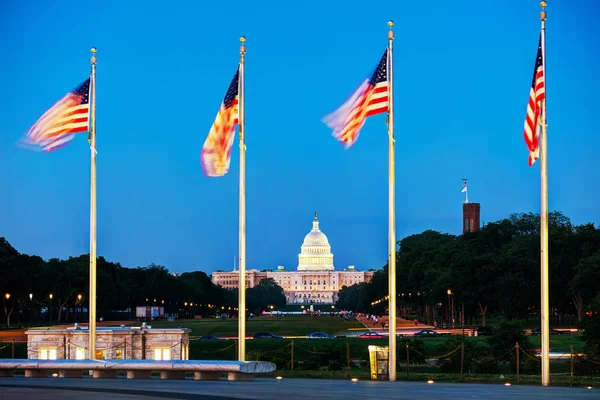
[(315, 252)]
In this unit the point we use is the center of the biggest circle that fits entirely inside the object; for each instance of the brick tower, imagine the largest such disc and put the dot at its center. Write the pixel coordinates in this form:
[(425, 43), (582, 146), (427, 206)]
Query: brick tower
[(471, 214)]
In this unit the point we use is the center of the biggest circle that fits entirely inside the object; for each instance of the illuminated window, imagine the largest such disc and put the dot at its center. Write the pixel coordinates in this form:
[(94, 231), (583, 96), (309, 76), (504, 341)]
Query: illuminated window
[(100, 354), (47, 353), (119, 354), (80, 353), (162, 353)]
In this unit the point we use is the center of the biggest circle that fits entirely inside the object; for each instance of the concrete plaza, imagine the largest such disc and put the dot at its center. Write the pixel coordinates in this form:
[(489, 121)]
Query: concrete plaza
[(272, 389)]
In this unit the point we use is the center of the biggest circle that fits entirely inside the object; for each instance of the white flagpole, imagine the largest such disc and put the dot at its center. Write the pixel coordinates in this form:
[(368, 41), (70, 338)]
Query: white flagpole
[(391, 211), (544, 309), (92, 299), (242, 222)]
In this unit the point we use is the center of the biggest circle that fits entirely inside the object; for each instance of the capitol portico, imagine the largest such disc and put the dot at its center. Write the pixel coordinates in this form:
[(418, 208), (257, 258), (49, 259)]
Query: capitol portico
[(314, 282)]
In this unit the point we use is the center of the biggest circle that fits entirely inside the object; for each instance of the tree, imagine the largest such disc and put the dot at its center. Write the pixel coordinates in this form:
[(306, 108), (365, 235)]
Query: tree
[(267, 293)]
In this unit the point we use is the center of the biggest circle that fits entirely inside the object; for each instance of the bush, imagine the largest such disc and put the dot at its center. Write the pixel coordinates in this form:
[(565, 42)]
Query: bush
[(502, 343), (477, 357)]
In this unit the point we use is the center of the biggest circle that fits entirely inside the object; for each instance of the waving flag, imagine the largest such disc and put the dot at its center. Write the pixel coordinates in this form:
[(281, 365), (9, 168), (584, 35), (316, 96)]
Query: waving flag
[(216, 152), (464, 189), (537, 94), (58, 125), (370, 98)]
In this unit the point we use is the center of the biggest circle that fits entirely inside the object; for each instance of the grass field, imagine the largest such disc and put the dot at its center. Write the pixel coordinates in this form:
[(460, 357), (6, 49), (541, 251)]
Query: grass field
[(300, 325)]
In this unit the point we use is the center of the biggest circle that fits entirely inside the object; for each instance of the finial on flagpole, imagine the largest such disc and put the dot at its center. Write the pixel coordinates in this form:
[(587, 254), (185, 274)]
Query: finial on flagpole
[(543, 12), (243, 45), (391, 31), (93, 59)]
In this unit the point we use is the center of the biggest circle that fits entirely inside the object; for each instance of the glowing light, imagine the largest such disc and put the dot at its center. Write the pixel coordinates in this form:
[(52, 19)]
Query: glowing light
[(430, 381), (54, 375), (354, 379), (507, 384), (279, 378), (589, 387)]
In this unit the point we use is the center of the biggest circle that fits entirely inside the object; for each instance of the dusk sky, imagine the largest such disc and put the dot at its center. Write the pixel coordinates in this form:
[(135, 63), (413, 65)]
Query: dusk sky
[(463, 70)]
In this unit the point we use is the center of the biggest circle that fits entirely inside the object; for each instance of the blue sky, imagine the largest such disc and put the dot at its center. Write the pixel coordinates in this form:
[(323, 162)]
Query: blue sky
[(462, 76)]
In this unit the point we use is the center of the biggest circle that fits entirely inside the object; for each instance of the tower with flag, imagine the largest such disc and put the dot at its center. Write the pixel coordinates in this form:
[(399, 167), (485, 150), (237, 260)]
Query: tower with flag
[(375, 95)]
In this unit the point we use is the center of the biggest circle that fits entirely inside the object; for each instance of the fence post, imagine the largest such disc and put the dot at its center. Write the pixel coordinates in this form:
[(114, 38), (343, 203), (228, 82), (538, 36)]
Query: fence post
[(348, 357), (572, 358), (292, 364), (462, 358), (407, 360), (518, 364), (13, 348)]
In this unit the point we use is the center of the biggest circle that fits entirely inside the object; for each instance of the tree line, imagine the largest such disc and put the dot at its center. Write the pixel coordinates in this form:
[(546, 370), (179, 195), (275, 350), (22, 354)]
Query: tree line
[(495, 270), (30, 286)]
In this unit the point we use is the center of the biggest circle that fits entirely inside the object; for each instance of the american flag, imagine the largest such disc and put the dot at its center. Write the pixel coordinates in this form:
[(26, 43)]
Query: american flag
[(216, 152), (371, 97), (537, 94), (62, 121)]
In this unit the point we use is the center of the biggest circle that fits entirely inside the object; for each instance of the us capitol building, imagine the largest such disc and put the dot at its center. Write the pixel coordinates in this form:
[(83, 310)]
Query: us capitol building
[(315, 281)]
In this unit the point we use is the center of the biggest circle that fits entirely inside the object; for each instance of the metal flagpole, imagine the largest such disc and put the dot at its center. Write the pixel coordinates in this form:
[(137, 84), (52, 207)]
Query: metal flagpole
[(242, 248), (392, 211), (92, 299), (545, 328)]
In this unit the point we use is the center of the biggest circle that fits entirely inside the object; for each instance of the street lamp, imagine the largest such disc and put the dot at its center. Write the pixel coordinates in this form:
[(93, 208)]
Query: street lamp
[(51, 296), (79, 296), (7, 295), (451, 304), (30, 296)]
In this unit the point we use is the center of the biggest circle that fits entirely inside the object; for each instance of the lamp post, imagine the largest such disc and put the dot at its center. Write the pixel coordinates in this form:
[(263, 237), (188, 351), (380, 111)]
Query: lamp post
[(50, 296), (451, 305)]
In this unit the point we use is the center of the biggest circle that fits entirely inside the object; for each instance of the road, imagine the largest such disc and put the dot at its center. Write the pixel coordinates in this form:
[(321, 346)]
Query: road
[(271, 389)]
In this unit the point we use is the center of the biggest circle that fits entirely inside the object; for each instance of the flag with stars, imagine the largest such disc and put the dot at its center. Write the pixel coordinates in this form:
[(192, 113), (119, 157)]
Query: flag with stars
[(58, 126), (216, 152), (537, 94), (371, 97)]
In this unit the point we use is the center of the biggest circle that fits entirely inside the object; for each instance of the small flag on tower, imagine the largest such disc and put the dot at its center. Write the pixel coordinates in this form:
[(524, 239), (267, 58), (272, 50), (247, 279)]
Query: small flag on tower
[(216, 152), (537, 94), (371, 98), (464, 189), (57, 127)]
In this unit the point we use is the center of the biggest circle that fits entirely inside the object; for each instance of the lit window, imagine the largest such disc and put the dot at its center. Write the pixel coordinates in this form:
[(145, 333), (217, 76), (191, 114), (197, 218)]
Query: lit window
[(118, 354), (100, 354), (162, 353), (47, 353), (80, 353)]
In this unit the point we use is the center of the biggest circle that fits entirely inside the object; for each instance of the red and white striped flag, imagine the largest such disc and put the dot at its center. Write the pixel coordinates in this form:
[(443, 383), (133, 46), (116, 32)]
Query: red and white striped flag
[(371, 97), (58, 125), (216, 152), (537, 94)]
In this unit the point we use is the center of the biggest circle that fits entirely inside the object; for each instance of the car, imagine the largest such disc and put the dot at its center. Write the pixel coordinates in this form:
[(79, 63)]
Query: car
[(484, 331), (266, 335), (552, 331), (430, 333), (209, 337), (319, 335), (372, 335)]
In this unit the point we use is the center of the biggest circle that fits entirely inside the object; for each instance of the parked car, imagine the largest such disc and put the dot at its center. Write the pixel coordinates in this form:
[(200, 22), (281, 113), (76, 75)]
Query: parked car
[(319, 335), (431, 333), (552, 331), (484, 331), (372, 335), (266, 335), (209, 337)]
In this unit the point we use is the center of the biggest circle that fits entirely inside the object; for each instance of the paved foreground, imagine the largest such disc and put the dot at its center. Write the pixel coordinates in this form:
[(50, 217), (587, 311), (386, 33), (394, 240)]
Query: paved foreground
[(272, 389)]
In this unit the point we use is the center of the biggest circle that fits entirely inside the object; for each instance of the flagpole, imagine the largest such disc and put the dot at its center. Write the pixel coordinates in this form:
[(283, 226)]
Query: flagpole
[(92, 299), (391, 211), (242, 227), (545, 328)]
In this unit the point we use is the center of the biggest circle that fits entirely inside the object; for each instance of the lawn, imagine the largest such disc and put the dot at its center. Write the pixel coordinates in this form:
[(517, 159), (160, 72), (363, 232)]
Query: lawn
[(300, 325)]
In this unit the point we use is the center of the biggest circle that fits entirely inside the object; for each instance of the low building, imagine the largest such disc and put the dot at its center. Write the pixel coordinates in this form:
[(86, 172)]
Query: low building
[(314, 282), (112, 343)]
